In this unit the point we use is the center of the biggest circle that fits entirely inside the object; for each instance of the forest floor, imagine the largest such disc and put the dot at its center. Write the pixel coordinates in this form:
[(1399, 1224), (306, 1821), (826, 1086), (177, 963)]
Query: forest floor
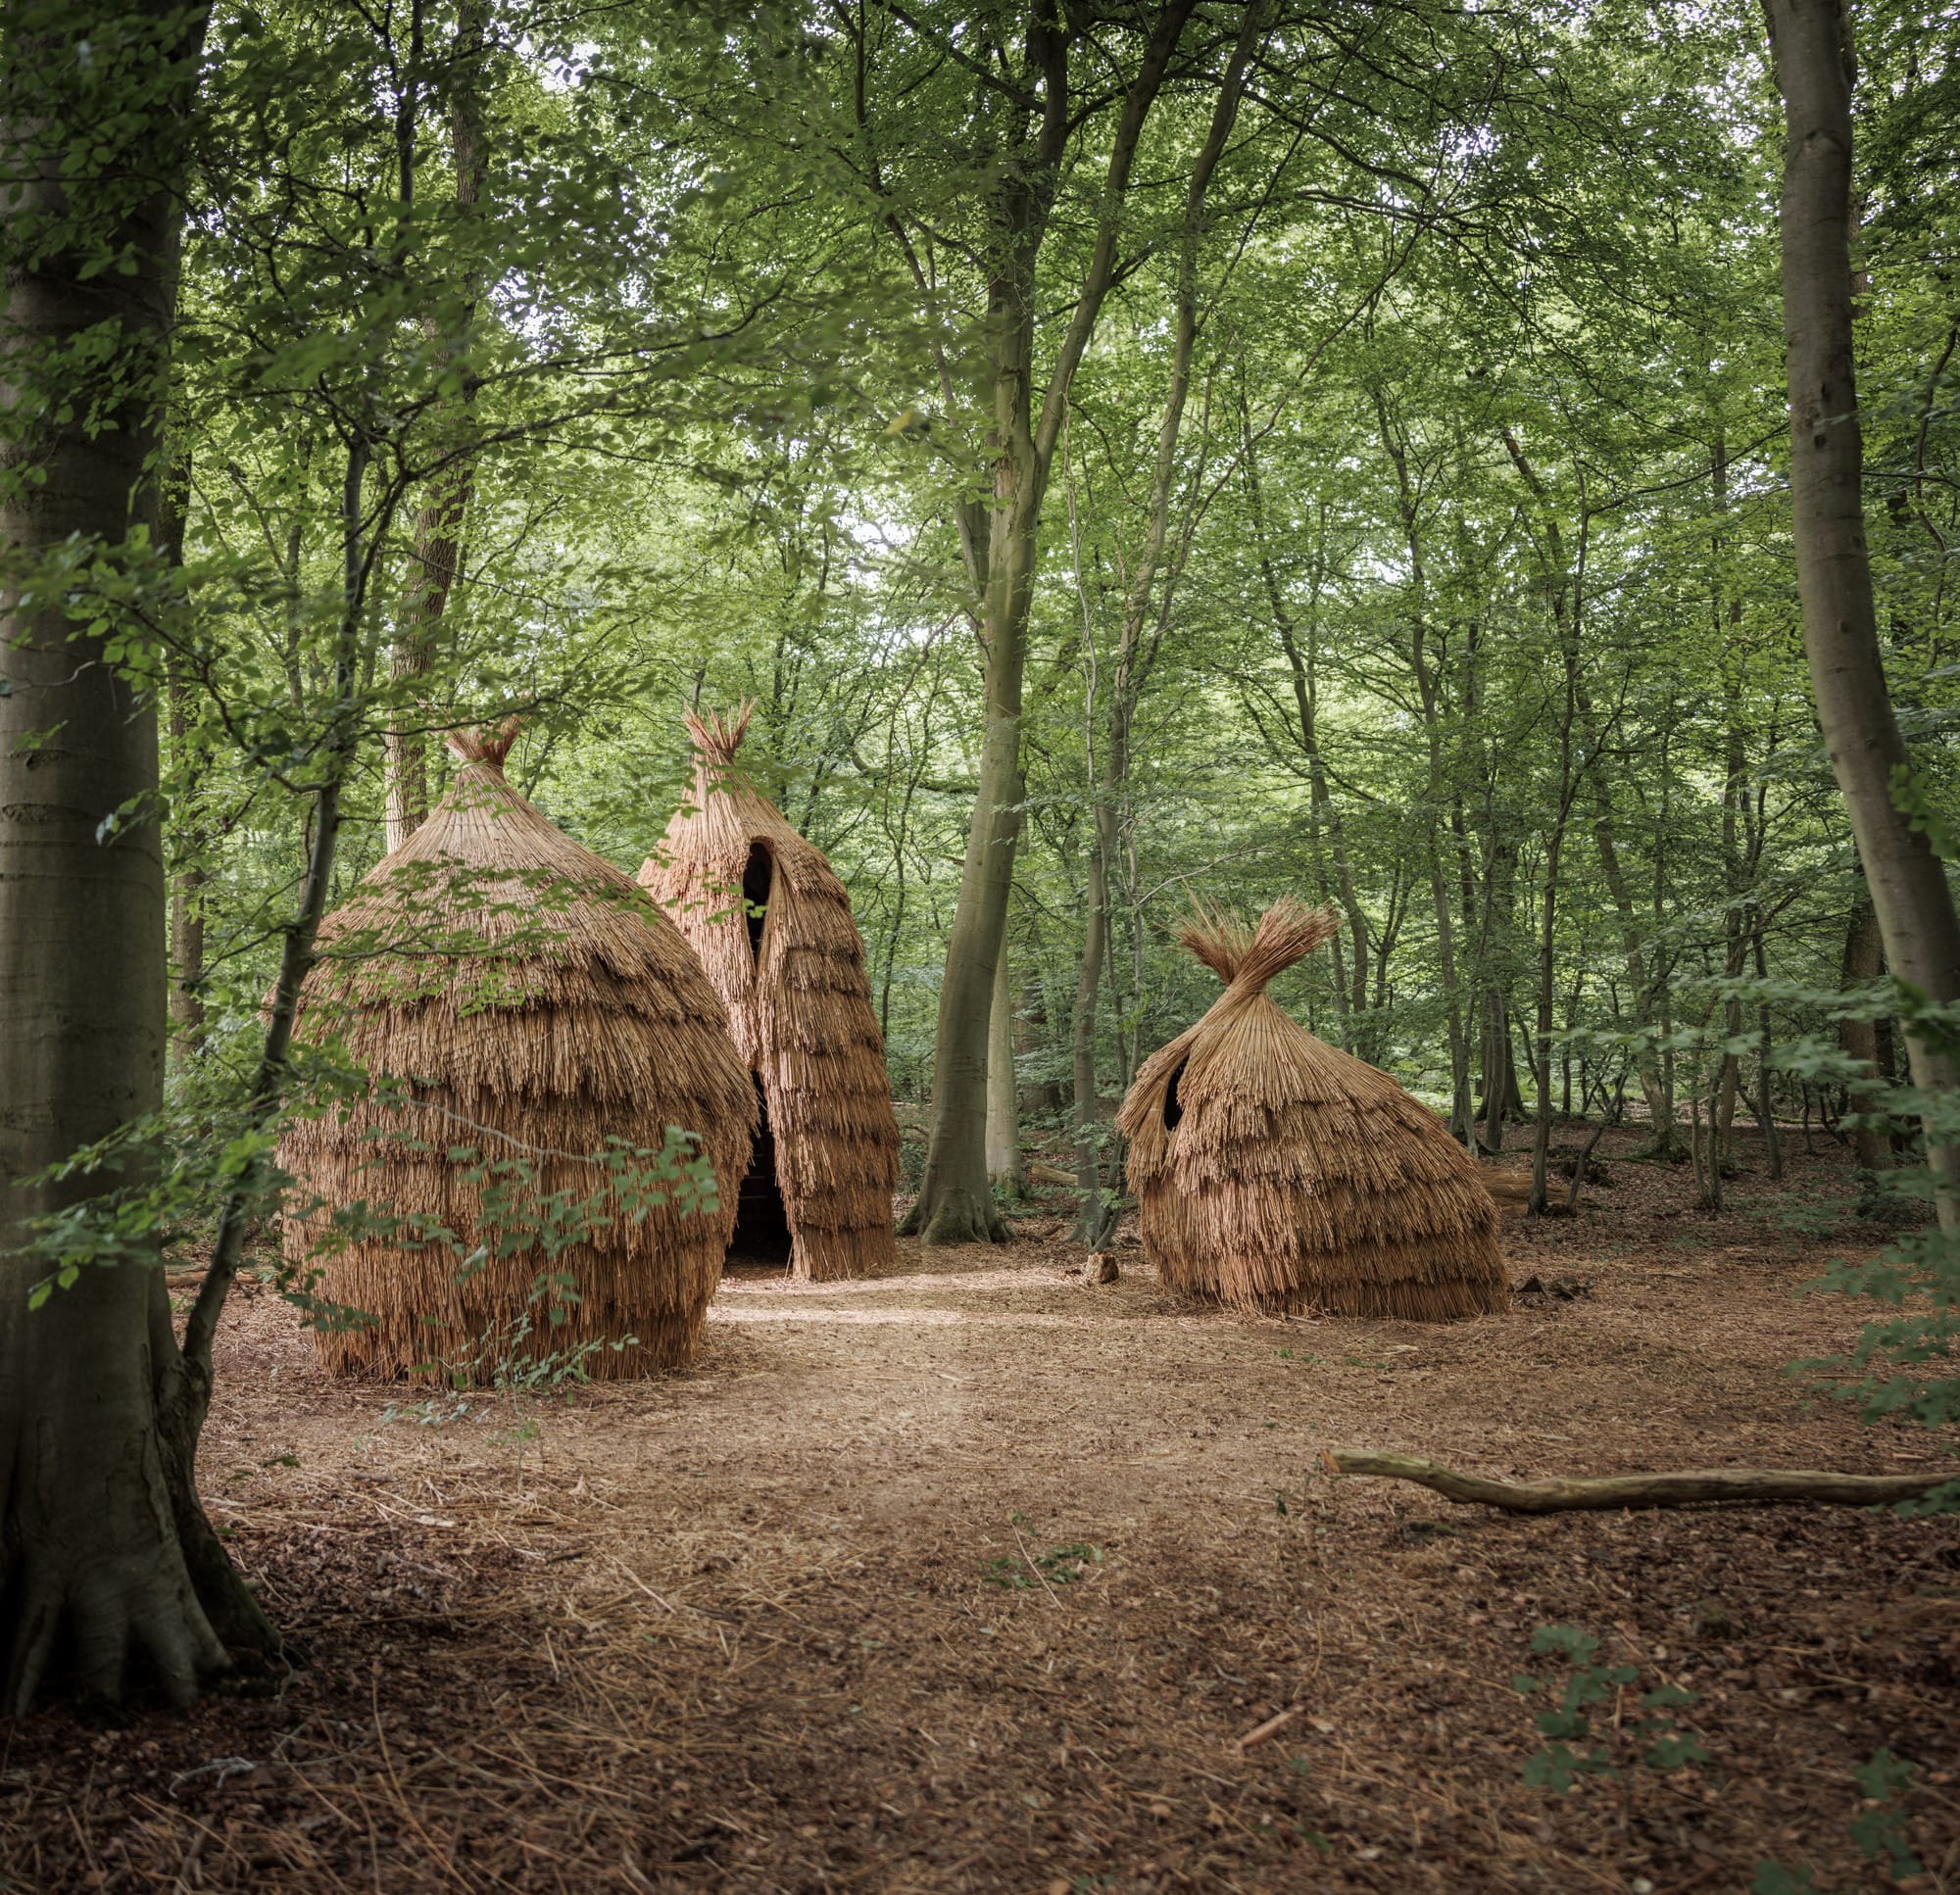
[(978, 1577)]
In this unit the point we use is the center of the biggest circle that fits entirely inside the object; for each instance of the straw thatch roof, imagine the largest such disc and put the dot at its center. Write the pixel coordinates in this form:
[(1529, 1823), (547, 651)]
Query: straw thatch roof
[(773, 925), (1276, 1172), (532, 1004)]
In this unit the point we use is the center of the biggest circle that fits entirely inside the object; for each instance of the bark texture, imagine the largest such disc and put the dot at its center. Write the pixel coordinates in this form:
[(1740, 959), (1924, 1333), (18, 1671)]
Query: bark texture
[(108, 1570), (1001, 543), (436, 556), (1004, 1110), (1908, 882), (1603, 1492)]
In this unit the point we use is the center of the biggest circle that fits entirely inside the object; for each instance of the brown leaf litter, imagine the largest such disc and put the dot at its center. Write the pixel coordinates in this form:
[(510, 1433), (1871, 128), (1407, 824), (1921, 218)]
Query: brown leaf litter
[(975, 1578)]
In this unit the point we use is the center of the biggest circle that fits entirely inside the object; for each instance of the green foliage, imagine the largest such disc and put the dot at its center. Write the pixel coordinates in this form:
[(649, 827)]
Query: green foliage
[(1659, 1743), (1060, 1565), (1877, 1829), (1771, 1878)]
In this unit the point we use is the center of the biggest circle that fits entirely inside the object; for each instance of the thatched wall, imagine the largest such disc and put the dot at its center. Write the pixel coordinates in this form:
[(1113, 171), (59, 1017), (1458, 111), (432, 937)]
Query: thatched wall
[(799, 1004), (1276, 1172), (536, 1004)]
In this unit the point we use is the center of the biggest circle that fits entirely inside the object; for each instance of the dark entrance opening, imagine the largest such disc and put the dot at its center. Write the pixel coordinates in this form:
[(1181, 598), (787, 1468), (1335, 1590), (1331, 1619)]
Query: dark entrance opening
[(1173, 1106), (761, 1237), (758, 875)]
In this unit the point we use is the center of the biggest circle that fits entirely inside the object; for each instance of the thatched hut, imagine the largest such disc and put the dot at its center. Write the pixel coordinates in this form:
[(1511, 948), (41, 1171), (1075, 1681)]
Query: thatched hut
[(1276, 1172), (773, 925), (511, 995)]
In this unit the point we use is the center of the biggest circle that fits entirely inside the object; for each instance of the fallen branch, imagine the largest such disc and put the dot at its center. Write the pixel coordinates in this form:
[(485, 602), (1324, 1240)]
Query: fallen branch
[(1682, 1489), (1044, 1173)]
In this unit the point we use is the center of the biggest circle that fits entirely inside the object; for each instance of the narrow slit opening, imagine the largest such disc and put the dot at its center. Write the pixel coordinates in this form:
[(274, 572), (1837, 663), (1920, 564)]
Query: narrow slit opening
[(1173, 1106), (759, 877), (761, 1234)]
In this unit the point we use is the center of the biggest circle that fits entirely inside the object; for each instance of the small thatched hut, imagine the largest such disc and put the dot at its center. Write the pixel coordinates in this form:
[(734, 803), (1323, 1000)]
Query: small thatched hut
[(1276, 1172), (773, 925), (524, 1000)]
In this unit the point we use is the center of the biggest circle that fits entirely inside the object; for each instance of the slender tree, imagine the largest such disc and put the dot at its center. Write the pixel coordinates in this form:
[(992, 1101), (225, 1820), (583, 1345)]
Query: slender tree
[(1910, 892), (435, 555), (1034, 123)]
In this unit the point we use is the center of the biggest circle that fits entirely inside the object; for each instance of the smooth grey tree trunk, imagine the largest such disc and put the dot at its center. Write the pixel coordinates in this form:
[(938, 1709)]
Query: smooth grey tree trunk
[(1004, 1105), (1863, 964), (107, 1567), (1908, 882), (1138, 644), (188, 816), (955, 1204), (437, 552)]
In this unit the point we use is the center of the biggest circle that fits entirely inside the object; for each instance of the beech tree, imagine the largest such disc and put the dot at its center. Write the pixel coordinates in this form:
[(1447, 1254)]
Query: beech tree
[(107, 1561), (1036, 116), (1886, 803)]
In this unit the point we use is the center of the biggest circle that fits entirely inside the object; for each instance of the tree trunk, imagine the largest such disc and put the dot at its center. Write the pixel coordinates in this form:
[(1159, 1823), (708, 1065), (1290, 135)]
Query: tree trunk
[(190, 840), (1003, 1115), (1499, 1069), (954, 1203), (1430, 687), (1091, 1122), (1136, 646), (1868, 756), (1565, 589), (1766, 1110), (1737, 865), (1863, 962), (1462, 1127), (1663, 1140), (100, 1553), (437, 551), (1548, 966)]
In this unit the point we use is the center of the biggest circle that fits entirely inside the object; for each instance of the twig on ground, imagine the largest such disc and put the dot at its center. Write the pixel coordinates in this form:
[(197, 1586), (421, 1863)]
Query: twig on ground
[(1272, 1726)]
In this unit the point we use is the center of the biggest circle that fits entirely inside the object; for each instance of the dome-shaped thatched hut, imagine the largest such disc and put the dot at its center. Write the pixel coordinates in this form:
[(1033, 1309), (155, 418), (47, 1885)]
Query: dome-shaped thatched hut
[(1276, 1172), (525, 1000), (773, 925)]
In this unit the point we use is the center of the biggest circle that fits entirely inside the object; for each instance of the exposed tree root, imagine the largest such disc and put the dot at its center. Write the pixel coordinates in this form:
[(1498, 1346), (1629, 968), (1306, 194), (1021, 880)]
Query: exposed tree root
[(962, 1217), (119, 1621), (1762, 1485)]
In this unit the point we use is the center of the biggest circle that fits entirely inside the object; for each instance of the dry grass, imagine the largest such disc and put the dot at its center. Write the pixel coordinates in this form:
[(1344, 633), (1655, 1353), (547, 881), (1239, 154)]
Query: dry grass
[(1275, 1172), (745, 1629), (534, 1004), (799, 1004)]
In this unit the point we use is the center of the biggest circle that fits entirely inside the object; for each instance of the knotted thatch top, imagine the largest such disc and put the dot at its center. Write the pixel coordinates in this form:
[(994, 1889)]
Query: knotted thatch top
[(716, 739), (1246, 1055), (1277, 1171)]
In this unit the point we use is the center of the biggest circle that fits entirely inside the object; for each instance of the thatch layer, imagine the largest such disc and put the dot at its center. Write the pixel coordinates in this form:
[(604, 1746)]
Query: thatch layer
[(1276, 1172), (532, 1004), (799, 1004)]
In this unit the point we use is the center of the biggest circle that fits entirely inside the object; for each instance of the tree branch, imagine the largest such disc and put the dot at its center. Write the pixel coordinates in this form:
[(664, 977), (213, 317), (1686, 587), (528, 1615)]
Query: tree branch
[(1590, 1492)]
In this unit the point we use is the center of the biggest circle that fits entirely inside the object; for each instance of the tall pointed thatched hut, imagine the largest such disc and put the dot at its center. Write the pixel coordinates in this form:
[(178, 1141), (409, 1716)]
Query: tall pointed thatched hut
[(773, 925), (1276, 1172), (532, 1004)]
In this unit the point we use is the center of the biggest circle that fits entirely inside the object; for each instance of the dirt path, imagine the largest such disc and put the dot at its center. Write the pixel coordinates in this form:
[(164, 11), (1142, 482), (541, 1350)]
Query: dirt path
[(973, 1577)]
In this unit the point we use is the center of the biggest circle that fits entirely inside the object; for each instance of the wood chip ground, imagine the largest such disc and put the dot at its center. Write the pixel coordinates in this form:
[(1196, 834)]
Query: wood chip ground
[(975, 1578)]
